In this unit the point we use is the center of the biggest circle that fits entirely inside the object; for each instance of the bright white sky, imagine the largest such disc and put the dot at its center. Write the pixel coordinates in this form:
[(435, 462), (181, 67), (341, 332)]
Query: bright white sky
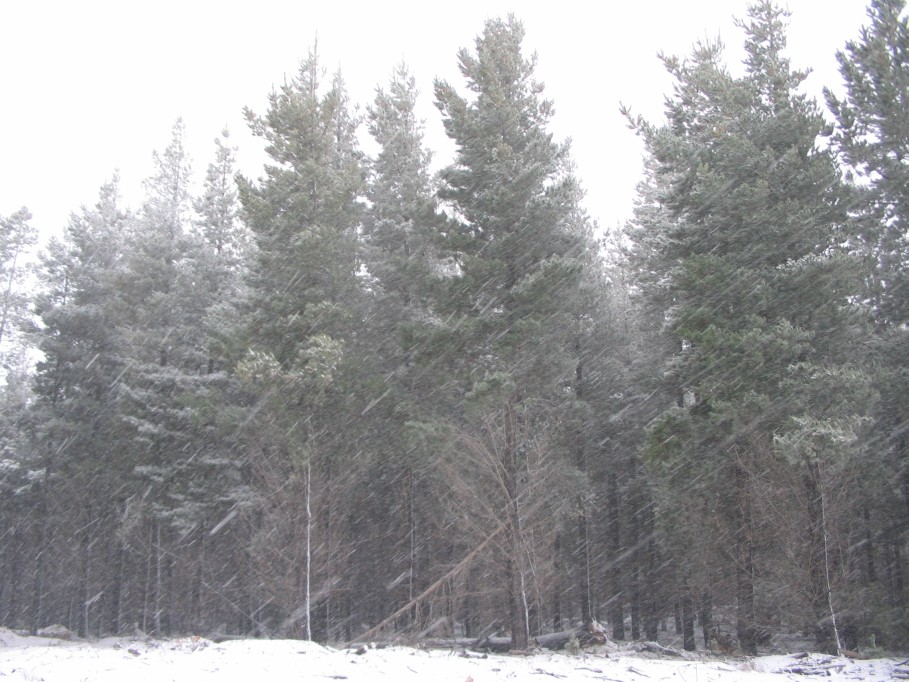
[(91, 86)]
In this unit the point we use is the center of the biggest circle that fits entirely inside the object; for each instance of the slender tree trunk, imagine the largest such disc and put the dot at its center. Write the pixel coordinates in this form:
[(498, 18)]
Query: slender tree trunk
[(557, 584), (706, 616), (468, 599), (617, 564), (635, 599), (513, 576), (85, 587), (159, 580), (896, 581), (688, 642), (677, 615), (114, 593), (825, 627), (15, 566), (41, 557), (5, 541), (584, 563), (650, 599), (147, 586), (307, 593), (870, 571), (197, 610), (584, 586), (412, 546), (744, 542)]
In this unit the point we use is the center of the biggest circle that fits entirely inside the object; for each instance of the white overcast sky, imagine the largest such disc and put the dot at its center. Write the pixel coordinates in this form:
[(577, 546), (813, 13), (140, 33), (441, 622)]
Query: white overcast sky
[(91, 87)]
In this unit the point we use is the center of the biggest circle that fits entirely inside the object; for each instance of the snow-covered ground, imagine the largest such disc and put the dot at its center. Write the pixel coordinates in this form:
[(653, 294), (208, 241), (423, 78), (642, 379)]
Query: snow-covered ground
[(194, 659)]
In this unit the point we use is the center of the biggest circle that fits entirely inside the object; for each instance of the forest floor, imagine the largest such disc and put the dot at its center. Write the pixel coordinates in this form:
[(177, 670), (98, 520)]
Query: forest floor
[(198, 659)]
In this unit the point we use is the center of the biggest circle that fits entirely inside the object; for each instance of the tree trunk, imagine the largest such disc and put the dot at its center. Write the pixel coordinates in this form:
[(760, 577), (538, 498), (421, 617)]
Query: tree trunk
[(85, 583), (635, 601), (617, 596), (584, 592), (650, 599), (688, 642), (584, 563), (114, 593), (746, 629), (825, 626), (41, 556), (13, 566), (557, 584), (586, 635), (307, 590), (868, 549), (197, 610), (513, 570), (706, 616)]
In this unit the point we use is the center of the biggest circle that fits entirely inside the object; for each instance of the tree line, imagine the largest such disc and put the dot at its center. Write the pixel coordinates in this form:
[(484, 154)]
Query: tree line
[(351, 396)]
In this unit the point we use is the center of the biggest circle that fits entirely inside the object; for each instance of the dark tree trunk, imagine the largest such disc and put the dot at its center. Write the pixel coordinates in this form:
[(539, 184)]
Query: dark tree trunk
[(870, 571), (114, 593), (85, 545), (41, 556), (517, 621), (197, 610), (616, 565), (895, 576), (12, 576), (557, 584), (635, 600), (688, 642), (583, 558), (584, 563), (468, 598), (744, 541), (706, 616), (650, 601)]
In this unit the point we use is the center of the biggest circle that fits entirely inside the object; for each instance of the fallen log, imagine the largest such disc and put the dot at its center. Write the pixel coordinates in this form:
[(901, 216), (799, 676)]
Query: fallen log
[(493, 644), (655, 648), (588, 635)]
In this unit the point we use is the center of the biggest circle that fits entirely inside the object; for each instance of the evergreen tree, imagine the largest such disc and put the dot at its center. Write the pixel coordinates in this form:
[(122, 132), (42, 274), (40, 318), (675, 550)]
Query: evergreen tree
[(17, 237), (873, 129), (759, 298), (78, 435), (516, 241), (396, 500), (304, 310), (873, 139)]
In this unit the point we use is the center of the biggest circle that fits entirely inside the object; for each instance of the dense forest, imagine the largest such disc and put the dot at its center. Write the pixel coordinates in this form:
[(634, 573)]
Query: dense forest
[(353, 397)]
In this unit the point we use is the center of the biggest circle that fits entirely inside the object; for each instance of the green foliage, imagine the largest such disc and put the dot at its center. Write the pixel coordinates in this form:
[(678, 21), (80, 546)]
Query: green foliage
[(760, 296)]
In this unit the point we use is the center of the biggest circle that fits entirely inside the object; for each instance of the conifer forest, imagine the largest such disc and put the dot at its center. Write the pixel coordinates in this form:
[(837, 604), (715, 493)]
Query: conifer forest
[(353, 397)]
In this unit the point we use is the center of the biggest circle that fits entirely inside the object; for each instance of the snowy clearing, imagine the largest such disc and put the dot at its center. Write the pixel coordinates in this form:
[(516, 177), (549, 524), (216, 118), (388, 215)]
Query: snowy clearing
[(119, 658)]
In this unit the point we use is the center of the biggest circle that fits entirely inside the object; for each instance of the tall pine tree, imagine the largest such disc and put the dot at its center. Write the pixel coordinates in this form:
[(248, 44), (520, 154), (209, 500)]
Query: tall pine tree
[(873, 139), (516, 240), (758, 298), (304, 214)]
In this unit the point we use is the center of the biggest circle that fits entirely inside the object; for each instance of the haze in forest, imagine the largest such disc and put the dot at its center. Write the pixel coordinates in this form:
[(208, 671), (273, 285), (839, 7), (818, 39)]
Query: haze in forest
[(360, 392)]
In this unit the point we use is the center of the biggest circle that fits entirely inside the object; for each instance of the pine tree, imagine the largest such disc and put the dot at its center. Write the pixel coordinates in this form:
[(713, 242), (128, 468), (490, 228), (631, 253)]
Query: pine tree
[(516, 241), (305, 302), (758, 292), (399, 255), (873, 139), (17, 237), (78, 434), (872, 133)]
